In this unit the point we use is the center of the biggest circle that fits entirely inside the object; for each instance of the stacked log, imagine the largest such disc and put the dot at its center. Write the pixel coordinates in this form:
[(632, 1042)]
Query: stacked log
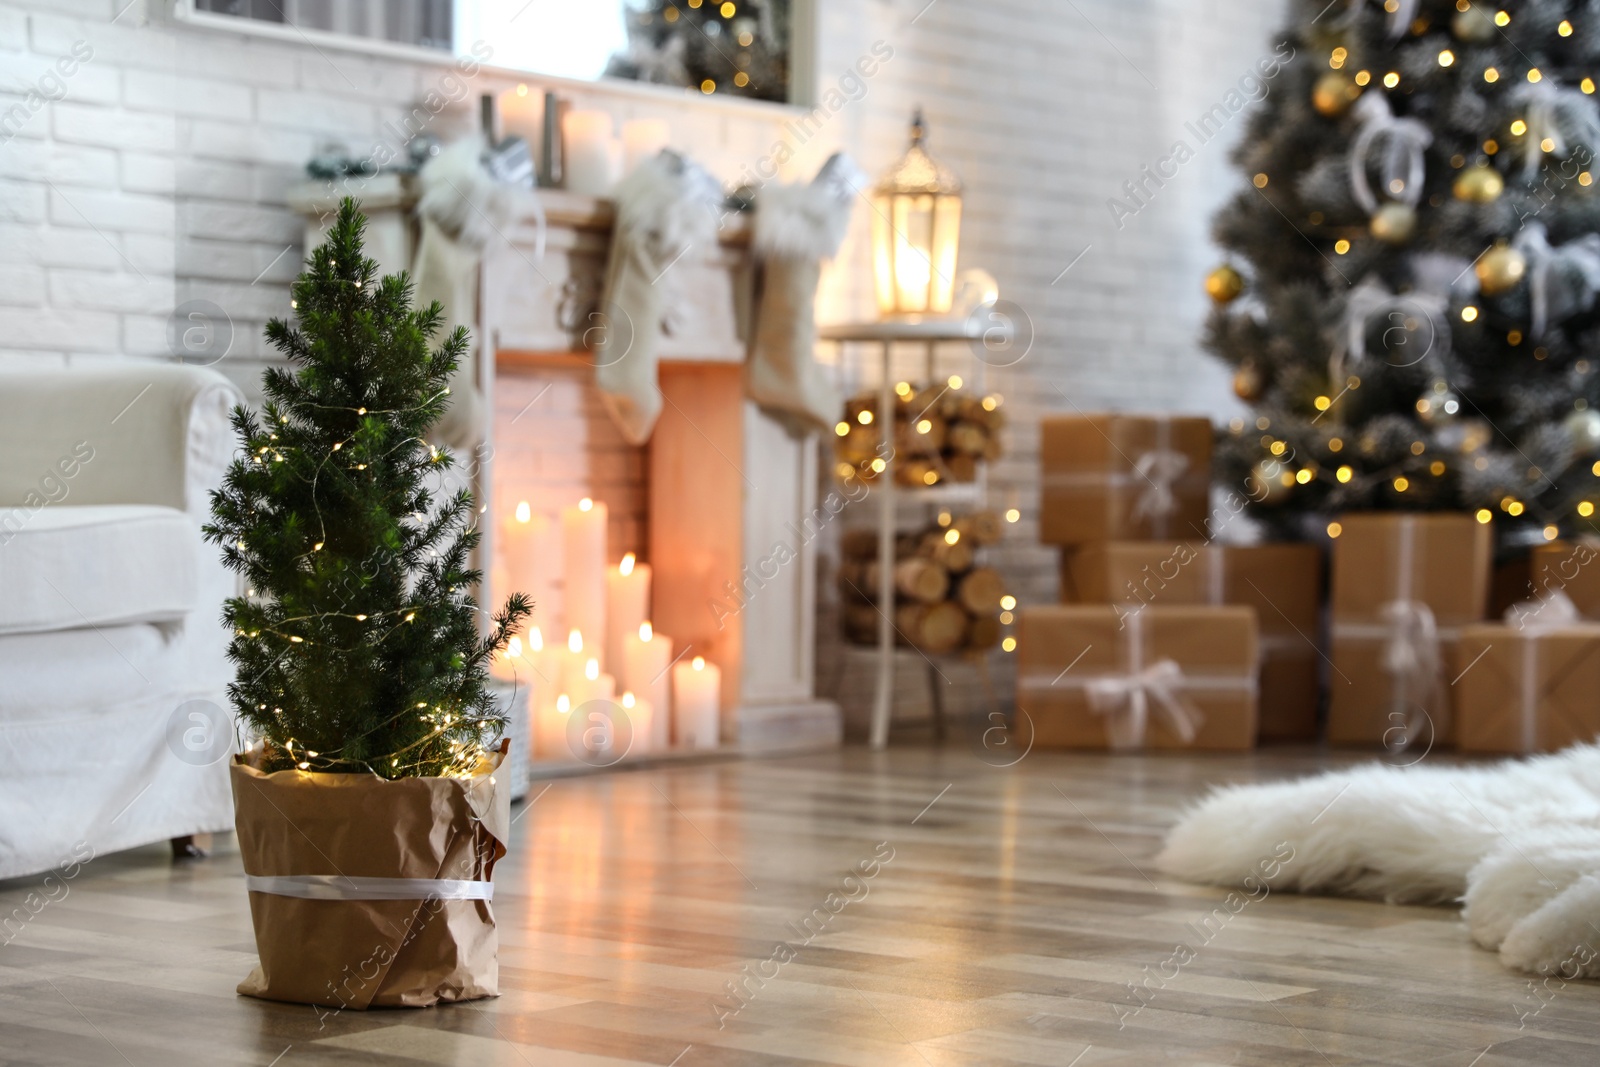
[(939, 435), (945, 602)]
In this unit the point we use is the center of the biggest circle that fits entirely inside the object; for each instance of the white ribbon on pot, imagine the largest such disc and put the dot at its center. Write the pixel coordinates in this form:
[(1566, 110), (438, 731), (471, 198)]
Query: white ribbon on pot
[(1582, 255), (340, 887), (1404, 143), (1371, 297)]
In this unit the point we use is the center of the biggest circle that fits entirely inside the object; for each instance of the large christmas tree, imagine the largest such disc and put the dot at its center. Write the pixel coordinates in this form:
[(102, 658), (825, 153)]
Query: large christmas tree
[(357, 644), (716, 46), (1412, 307)]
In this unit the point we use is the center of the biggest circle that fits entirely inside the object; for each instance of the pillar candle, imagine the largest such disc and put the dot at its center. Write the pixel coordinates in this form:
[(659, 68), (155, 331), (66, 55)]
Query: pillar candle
[(594, 685), (530, 545), (551, 729), (507, 663), (627, 605), (571, 663), (641, 715), (592, 155), (583, 539), (645, 658), (696, 694), (641, 139)]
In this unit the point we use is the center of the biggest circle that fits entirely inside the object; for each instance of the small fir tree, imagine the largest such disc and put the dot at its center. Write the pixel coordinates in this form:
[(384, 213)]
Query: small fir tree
[(357, 645)]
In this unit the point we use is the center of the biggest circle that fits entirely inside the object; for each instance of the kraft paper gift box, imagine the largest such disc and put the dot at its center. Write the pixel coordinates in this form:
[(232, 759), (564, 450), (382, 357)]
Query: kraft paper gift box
[(1123, 477), (1404, 584), (1571, 567), (1527, 690), (1283, 582), (1180, 677)]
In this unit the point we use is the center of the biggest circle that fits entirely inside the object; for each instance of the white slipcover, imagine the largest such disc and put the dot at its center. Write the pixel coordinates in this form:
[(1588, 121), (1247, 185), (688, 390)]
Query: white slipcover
[(104, 472), (95, 565)]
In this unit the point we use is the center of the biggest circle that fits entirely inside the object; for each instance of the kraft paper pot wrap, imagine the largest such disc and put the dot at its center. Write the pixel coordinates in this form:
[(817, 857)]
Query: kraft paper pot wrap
[(372, 893)]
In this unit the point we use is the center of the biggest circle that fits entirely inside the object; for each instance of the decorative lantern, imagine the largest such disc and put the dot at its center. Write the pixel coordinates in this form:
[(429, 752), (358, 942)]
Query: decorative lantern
[(916, 231)]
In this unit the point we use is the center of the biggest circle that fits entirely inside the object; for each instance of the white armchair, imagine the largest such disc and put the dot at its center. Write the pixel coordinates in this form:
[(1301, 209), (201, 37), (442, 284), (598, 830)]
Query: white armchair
[(114, 720)]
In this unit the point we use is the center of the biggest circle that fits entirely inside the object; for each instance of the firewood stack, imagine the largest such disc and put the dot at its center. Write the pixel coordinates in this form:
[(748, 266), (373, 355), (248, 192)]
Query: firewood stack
[(940, 434), (944, 601)]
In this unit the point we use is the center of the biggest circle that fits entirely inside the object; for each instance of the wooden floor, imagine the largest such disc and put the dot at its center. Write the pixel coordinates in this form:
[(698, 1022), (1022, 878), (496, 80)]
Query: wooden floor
[(1016, 908)]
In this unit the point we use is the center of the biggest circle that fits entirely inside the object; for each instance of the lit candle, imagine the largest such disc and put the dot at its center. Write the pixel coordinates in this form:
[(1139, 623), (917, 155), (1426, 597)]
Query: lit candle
[(641, 139), (627, 605), (594, 685), (531, 550), (640, 716), (592, 154), (583, 539), (696, 695), (507, 664), (645, 657), (551, 742), (570, 673)]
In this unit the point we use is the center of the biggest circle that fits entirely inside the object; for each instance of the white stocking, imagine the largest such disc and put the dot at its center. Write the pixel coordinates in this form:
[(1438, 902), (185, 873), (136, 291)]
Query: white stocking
[(665, 209), (796, 227)]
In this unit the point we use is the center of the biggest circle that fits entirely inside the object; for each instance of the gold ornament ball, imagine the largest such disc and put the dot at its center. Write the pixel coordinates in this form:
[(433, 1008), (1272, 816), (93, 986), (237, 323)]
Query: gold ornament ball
[(1500, 269), (1333, 94), (1473, 25), (1247, 382), (1479, 185), (1393, 223), (1224, 284)]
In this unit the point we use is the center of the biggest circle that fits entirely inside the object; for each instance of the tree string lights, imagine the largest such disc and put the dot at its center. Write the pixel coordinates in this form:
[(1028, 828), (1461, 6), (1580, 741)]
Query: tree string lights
[(1424, 161), (357, 645)]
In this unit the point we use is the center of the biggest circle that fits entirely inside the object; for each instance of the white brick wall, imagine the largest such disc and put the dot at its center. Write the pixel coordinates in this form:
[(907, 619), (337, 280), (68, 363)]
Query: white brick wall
[(162, 176)]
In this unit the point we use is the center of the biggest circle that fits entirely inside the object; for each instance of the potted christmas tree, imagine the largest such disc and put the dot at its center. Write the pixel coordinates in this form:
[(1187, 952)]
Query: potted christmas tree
[(368, 812)]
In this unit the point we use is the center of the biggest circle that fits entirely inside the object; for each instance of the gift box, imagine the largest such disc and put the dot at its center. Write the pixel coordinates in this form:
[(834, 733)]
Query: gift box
[(1403, 585), (1123, 477), (1571, 567), (367, 892), (1527, 690), (1283, 582), (1094, 677)]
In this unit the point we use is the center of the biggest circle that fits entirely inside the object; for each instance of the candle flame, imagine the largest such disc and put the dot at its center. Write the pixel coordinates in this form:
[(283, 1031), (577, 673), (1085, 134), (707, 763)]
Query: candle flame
[(563, 703), (524, 512), (646, 633), (626, 566), (535, 639), (699, 663), (585, 504), (514, 648), (627, 700), (574, 641), (591, 669)]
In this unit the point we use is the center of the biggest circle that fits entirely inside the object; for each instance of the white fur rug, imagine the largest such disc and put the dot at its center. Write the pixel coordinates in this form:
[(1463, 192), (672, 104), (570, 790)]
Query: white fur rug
[(1518, 842)]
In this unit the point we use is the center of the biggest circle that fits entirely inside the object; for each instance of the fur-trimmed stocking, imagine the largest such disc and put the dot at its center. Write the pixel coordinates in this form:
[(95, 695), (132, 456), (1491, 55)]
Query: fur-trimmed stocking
[(665, 208), (461, 208), (796, 228)]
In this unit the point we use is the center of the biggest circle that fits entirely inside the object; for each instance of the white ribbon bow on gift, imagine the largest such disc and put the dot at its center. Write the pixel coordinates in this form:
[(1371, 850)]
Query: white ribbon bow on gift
[(1125, 700), (1412, 655), (1405, 141), (1160, 468), (1581, 255)]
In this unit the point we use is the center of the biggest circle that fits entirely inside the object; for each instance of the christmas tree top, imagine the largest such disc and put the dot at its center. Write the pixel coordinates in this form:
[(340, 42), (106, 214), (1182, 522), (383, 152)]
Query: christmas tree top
[(1413, 308), (357, 643)]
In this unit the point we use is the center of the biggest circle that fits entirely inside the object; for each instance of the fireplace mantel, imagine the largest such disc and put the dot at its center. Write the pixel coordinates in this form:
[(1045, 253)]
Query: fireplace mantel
[(726, 486)]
